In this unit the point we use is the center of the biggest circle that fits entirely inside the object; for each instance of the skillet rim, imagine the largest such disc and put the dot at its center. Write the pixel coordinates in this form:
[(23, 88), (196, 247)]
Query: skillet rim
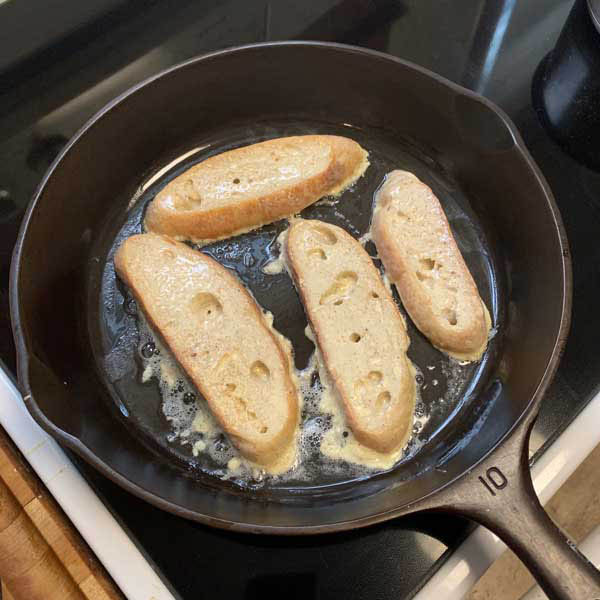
[(84, 452)]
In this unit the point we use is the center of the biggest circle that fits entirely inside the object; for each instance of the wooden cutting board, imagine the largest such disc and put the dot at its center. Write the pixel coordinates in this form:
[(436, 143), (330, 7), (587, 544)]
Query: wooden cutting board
[(42, 556)]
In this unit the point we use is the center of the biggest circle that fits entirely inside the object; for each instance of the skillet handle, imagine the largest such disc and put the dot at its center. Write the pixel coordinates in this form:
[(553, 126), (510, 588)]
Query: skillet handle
[(499, 495)]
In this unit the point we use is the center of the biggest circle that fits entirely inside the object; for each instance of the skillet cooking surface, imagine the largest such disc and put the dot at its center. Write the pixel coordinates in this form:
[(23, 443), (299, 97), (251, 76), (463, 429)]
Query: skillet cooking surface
[(449, 392)]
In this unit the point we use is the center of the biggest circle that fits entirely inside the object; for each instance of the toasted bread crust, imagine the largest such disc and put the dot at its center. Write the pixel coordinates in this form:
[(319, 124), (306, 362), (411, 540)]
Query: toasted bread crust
[(218, 334), (243, 189), (420, 255), (359, 331)]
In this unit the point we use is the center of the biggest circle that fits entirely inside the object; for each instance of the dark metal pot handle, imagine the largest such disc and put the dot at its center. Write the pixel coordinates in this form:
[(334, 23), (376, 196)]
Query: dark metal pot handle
[(499, 495)]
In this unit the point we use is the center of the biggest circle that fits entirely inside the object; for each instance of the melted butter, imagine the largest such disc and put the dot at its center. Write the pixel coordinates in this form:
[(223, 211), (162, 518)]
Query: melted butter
[(366, 237), (234, 464), (169, 371), (279, 264), (198, 447), (274, 267), (205, 423), (387, 282), (147, 374)]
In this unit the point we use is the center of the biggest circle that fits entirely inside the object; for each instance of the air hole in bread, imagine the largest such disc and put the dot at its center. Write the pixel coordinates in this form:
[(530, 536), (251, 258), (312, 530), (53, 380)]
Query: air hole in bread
[(264, 429), (241, 404), (168, 254), (206, 306), (347, 278), (376, 376), (230, 387), (186, 197), (236, 180), (354, 337), (374, 295), (403, 215), (223, 361), (318, 252), (243, 408), (427, 264), (450, 316), (260, 370), (421, 276), (186, 203), (325, 234), (383, 398), (341, 288)]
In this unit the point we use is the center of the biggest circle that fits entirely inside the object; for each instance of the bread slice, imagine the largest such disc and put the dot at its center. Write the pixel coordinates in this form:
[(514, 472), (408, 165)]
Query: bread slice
[(420, 255), (220, 337), (359, 331), (242, 189)]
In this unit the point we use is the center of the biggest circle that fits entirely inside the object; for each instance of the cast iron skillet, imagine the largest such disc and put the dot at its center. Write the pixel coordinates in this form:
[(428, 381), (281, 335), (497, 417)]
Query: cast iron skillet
[(75, 348)]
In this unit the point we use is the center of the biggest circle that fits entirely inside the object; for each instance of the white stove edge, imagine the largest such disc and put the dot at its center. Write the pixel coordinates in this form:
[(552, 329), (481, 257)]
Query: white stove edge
[(590, 547), (113, 547), (474, 556), (138, 581)]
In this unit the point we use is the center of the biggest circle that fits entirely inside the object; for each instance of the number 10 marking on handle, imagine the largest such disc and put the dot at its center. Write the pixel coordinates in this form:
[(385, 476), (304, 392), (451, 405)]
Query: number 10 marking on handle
[(494, 479)]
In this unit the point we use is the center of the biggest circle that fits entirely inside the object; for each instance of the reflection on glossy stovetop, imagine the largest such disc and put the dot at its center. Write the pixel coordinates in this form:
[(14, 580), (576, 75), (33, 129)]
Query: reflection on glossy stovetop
[(491, 46)]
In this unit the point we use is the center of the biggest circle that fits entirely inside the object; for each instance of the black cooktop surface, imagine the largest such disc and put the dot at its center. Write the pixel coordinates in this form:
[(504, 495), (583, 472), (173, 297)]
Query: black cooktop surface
[(73, 59)]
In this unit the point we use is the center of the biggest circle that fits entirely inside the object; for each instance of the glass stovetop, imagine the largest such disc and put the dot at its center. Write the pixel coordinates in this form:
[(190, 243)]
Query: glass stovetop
[(68, 61)]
